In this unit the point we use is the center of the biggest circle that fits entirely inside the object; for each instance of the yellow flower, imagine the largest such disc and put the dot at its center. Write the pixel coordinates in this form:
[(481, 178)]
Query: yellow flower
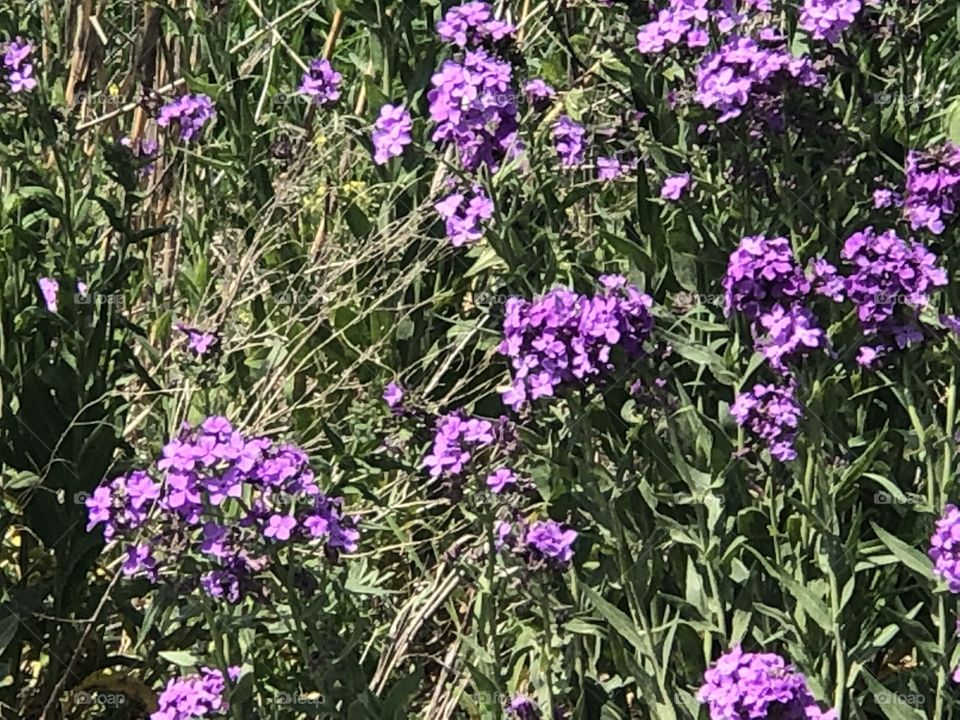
[(354, 187), (114, 89), (319, 140)]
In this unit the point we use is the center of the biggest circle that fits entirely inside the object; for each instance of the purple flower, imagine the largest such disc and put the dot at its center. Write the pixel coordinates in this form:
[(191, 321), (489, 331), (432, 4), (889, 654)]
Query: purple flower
[(884, 198), (891, 280), (189, 112), (523, 708), (139, 559), (741, 686), (200, 470), (824, 279), (279, 527), (674, 186), (465, 215), (761, 274), (498, 480), (742, 74), (945, 548), (123, 505), (472, 23), (547, 540), (192, 697), (321, 83), (454, 441), (393, 395), (50, 289), (391, 133), (198, 342), (19, 72), (611, 168), (539, 94), (568, 141), (772, 413), (827, 19), (933, 187), (504, 535), (473, 105), (688, 20), (567, 339), (789, 335)]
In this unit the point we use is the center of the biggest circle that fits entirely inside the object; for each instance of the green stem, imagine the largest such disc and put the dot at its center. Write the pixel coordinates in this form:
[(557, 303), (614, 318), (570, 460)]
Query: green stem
[(548, 633), (941, 666)]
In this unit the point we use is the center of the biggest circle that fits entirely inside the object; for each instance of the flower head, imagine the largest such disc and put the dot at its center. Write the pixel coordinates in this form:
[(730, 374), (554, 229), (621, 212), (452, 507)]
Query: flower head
[(568, 140), (189, 112), (674, 186), (321, 82), (549, 541), (743, 686), (391, 133)]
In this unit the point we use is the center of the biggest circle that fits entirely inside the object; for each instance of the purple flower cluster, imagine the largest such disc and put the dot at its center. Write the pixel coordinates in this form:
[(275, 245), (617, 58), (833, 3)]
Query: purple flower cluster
[(742, 73), (933, 187), (499, 480), (538, 93), (321, 82), (689, 21), (393, 396), (391, 133), (541, 543), (198, 341), (523, 708), (748, 686), (189, 112), (891, 280), (945, 548), (455, 441), (568, 138), (465, 214), (472, 24), (17, 67), (828, 19), (194, 696), (474, 107), (674, 186), (789, 334), (568, 339), (613, 168), (206, 477), (772, 413), (765, 282), (885, 197)]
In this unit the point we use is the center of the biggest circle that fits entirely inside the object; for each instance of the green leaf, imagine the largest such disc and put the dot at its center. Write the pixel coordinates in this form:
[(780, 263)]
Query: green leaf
[(183, 658), (909, 556)]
